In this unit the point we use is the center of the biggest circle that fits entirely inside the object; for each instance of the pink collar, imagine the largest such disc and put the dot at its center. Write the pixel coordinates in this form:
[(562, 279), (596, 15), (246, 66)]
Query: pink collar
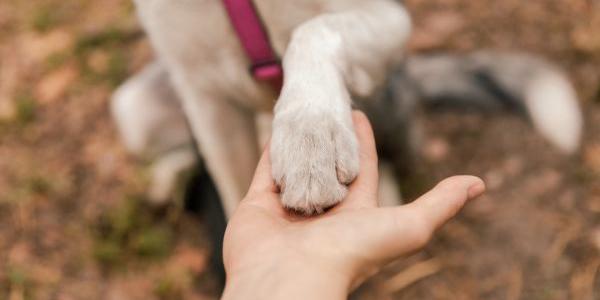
[(265, 66)]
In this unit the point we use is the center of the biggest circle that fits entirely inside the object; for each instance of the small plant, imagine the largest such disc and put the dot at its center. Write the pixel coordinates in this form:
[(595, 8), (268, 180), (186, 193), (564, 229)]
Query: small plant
[(56, 60), (167, 289), (18, 282), (26, 107), (111, 41), (107, 38), (39, 185), (152, 242), (107, 252), (117, 68), (16, 277), (129, 232), (45, 19)]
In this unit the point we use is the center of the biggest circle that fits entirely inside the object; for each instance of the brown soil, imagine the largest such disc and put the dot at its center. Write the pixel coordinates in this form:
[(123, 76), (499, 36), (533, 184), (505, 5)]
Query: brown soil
[(72, 225)]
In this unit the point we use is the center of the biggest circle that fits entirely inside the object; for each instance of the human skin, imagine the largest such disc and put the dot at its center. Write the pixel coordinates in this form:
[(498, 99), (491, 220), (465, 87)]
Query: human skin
[(270, 253)]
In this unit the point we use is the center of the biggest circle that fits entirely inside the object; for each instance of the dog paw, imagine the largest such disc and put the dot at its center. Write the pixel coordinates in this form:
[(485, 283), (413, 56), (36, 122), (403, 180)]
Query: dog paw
[(313, 158)]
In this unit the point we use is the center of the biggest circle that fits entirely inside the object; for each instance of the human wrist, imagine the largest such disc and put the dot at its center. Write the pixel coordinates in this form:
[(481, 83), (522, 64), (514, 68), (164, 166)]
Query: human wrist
[(290, 280)]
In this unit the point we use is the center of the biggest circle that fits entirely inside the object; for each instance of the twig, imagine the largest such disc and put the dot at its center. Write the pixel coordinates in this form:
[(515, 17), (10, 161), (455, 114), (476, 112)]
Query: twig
[(515, 283), (411, 275), (582, 281), (560, 243)]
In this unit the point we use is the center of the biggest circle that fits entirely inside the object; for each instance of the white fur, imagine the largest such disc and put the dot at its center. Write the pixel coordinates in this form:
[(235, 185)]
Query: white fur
[(167, 170), (552, 104), (148, 114), (314, 151), (152, 125), (330, 49)]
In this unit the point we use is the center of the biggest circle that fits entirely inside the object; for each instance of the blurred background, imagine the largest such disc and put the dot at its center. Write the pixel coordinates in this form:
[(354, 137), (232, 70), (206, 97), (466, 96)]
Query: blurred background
[(73, 223)]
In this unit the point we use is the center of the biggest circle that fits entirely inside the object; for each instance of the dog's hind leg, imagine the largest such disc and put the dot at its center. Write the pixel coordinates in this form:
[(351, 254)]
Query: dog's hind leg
[(153, 127)]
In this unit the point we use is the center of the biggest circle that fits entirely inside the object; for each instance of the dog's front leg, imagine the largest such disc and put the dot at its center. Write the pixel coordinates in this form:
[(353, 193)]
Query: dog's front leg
[(314, 150), (227, 140)]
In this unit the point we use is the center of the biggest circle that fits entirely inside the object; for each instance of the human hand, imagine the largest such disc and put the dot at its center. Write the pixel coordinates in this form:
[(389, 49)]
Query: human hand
[(270, 253)]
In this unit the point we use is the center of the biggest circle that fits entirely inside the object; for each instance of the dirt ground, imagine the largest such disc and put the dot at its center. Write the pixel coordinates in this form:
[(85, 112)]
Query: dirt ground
[(73, 224)]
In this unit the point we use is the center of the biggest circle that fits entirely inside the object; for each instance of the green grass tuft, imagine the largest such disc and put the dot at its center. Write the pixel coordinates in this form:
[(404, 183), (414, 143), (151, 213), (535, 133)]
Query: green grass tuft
[(107, 38), (108, 253), (167, 289), (16, 277), (113, 41), (39, 185), (44, 20), (117, 68), (56, 60), (152, 242), (26, 107), (129, 232)]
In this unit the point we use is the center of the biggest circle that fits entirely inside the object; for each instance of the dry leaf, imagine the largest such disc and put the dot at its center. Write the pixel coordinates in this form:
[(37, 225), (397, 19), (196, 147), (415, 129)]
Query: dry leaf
[(55, 85)]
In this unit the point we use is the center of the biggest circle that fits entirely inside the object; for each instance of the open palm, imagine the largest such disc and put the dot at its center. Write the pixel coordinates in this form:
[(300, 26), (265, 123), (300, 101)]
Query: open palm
[(349, 242)]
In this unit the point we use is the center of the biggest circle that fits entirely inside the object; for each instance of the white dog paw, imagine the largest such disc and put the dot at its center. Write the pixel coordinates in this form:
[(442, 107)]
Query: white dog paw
[(314, 158), (168, 172)]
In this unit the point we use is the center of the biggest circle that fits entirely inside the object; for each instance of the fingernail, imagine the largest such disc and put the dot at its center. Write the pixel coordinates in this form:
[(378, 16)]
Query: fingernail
[(476, 190)]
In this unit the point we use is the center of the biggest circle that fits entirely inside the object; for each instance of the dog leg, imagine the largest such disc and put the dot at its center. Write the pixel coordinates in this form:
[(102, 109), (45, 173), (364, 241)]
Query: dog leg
[(314, 151), (227, 140), (153, 126)]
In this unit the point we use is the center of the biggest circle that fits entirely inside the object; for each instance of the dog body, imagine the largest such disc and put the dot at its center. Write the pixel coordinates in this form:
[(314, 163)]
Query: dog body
[(333, 51), (330, 50)]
